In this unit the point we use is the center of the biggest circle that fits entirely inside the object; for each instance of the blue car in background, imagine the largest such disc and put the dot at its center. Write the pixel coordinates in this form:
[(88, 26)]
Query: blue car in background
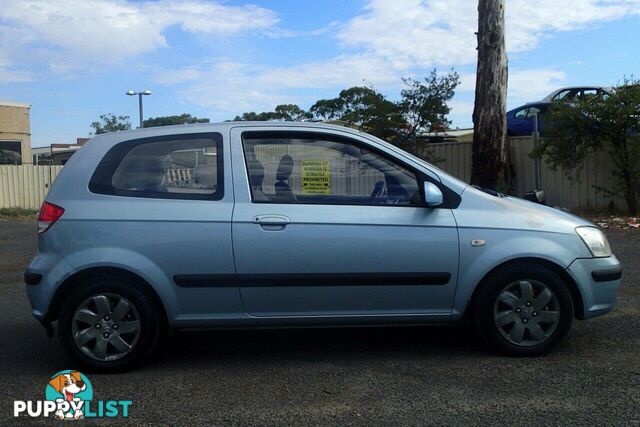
[(520, 120)]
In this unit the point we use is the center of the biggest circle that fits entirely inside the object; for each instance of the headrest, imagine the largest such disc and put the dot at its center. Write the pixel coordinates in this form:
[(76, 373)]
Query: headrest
[(285, 168)]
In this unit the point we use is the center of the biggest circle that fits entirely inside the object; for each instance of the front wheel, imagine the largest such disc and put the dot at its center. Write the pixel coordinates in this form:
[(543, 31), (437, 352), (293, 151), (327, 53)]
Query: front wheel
[(523, 310), (108, 325)]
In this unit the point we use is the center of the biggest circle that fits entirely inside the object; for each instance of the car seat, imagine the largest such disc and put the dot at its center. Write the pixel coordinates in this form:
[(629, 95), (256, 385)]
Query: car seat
[(283, 190)]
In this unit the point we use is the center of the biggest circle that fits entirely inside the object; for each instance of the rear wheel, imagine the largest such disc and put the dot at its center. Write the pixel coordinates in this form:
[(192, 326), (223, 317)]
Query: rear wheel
[(108, 325), (523, 310)]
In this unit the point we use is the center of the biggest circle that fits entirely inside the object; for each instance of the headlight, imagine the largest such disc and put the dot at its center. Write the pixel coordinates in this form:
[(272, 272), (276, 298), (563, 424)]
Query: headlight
[(595, 241)]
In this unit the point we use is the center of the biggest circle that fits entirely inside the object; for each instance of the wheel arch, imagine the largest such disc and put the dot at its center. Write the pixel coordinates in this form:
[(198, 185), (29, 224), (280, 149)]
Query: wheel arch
[(70, 283), (576, 296)]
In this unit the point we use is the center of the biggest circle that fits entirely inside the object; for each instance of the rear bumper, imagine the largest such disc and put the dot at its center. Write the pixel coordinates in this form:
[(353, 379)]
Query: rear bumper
[(32, 278), (43, 276), (598, 280)]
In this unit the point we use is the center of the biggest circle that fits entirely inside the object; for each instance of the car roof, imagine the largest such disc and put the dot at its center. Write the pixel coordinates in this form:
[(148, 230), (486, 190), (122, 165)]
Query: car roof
[(562, 89), (222, 127), (530, 104)]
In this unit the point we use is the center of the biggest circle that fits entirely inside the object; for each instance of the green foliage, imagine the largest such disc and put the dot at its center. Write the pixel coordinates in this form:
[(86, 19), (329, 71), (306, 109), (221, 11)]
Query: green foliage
[(590, 124), (291, 113), (111, 123), (362, 107), (283, 112), (14, 213), (424, 104), (173, 120)]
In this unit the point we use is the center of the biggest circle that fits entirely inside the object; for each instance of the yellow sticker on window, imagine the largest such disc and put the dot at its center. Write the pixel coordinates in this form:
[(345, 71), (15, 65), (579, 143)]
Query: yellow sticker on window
[(316, 177)]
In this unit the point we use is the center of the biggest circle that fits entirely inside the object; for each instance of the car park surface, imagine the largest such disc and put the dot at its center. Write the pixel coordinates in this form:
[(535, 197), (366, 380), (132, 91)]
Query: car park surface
[(370, 376)]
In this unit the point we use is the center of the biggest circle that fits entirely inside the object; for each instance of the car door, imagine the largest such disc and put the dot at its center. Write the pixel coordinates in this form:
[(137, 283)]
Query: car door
[(521, 123), (325, 224), (164, 204)]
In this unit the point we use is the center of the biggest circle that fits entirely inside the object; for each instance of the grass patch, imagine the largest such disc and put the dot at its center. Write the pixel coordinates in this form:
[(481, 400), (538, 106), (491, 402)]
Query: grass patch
[(17, 213)]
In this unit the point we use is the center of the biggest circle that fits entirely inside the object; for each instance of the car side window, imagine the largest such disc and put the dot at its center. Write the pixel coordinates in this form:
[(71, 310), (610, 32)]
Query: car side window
[(532, 111), (522, 114), (179, 167), (325, 170), (589, 93), (560, 95)]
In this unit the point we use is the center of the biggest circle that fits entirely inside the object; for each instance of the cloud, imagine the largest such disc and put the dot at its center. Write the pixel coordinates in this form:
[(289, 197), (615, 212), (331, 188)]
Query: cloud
[(233, 87), (342, 70), (389, 39), (280, 33), (106, 31), (209, 17), (415, 33), (13, 76), (461, 108), (392, 39), (182, 75), (529, 22), (524, 84), (7, 73), (230, 88), (532, 84)]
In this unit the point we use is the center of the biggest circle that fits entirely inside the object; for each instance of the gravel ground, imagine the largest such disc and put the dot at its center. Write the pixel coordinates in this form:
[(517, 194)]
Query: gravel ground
[(381, 376)]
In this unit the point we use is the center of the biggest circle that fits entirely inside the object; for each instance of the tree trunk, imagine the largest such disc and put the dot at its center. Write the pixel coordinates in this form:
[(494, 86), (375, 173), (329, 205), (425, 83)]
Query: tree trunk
[(489, 111)]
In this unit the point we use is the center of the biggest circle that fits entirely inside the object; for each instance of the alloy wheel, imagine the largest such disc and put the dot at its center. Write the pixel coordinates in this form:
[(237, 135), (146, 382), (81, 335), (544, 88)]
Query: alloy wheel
[(526, 312), (106, 327)]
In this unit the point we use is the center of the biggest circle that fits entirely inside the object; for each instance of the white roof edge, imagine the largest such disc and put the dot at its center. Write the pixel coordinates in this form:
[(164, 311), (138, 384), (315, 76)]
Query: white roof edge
[(217, 126), (14, 104)]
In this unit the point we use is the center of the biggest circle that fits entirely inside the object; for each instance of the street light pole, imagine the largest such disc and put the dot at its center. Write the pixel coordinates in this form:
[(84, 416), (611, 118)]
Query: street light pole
[(140, 95), (140, 109)]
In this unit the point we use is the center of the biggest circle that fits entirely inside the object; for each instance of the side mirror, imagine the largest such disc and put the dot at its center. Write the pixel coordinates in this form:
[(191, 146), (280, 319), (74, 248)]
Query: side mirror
[(432, 195), (536, 196)]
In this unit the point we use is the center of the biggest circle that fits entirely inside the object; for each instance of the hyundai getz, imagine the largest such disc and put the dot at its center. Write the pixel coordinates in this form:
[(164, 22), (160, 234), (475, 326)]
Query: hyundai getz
[(239, 225)]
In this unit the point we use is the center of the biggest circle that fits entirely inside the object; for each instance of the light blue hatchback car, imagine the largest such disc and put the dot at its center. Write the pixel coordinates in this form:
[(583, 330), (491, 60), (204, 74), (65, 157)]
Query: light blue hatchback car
[(297, 224)]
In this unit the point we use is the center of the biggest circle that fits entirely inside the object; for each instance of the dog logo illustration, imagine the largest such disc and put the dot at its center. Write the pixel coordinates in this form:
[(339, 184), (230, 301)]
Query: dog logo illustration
[(69, 396), (69, 389)]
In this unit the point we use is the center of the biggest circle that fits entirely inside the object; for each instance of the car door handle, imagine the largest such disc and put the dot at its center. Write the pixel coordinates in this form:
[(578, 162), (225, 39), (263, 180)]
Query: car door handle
[(272, 222)]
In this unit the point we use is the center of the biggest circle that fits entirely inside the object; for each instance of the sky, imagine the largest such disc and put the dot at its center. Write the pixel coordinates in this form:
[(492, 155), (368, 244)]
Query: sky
[(73, 60)]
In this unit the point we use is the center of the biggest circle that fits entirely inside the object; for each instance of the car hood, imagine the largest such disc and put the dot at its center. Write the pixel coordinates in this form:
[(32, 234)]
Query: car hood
[(483, 210)]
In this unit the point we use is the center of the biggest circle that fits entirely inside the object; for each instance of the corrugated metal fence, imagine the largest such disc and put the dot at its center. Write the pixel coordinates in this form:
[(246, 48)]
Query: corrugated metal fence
[(25, 186), (583, 194)]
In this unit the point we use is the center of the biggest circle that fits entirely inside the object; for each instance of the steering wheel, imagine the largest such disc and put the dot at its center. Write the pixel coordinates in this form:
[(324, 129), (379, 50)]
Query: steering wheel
[(379, 191)]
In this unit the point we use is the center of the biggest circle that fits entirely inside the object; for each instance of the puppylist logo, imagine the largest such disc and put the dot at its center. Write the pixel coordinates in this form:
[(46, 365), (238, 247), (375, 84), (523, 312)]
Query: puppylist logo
[(69, 396)]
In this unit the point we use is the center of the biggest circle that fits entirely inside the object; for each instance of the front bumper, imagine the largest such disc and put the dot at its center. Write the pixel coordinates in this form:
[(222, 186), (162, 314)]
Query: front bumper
[(598, 280)]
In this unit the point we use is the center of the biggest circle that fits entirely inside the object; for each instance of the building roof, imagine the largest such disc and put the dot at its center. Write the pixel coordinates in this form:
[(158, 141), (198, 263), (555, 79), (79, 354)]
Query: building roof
[(14, 104), (449, 132), (55, 149)]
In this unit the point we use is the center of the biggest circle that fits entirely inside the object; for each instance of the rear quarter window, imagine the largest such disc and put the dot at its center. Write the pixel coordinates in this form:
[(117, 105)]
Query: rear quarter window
[(168, 167)]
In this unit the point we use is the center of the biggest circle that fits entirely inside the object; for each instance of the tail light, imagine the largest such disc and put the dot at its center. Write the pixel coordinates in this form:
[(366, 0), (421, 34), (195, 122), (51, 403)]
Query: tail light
[(49, 214)]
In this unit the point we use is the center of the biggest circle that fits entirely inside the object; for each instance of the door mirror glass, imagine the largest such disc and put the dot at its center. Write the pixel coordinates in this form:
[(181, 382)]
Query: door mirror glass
[(432, 195)]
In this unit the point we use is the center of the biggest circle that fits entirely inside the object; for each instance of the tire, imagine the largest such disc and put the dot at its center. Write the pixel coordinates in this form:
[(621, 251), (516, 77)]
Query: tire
[(514, 321), (107, 313)]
